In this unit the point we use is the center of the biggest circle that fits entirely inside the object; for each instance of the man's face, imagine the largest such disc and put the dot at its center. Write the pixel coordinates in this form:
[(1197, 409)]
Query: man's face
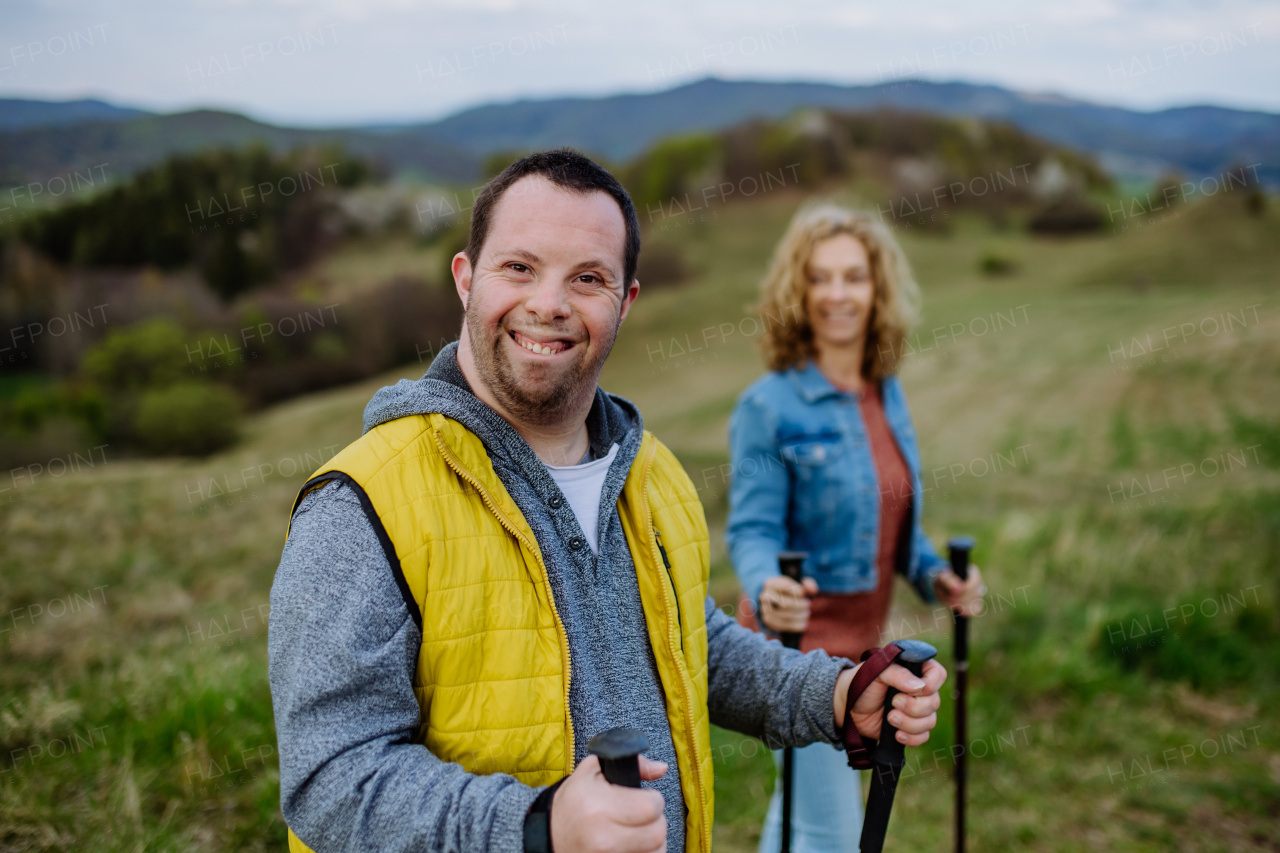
[(545, 299)]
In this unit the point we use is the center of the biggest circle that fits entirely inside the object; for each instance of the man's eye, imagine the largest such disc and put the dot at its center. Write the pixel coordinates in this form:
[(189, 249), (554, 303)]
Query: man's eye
[(591, 278), (518, 267)]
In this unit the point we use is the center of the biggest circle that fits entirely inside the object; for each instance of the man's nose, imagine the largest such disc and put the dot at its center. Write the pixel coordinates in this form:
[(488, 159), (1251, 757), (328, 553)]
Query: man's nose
[(549, 300)]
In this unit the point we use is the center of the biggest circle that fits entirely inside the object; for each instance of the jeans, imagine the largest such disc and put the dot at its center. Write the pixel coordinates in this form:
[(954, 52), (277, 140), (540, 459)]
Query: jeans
[(826, 803)]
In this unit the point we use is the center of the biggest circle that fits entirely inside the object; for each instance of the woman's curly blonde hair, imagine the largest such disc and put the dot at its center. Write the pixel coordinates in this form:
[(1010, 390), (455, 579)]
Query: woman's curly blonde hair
[(788, 338)]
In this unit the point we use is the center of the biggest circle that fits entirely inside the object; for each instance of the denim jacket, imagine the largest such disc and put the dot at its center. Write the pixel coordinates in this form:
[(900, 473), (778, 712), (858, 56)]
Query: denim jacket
[(804, 479)]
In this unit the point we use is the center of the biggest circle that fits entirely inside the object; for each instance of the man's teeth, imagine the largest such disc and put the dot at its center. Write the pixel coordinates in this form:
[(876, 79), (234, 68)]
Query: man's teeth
[(533, 347)]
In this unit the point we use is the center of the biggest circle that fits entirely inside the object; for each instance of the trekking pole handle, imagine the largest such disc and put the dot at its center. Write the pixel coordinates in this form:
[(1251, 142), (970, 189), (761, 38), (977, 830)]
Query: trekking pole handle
[(958, 550), (888, 756), (791, 565), (619, 753), (914, 655)]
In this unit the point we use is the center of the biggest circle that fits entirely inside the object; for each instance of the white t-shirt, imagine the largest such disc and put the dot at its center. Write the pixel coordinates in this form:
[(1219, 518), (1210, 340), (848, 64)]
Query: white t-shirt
[(582, 485)]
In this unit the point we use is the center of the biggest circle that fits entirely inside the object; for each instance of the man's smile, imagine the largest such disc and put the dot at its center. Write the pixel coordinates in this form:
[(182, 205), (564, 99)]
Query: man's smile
[(540, 346)]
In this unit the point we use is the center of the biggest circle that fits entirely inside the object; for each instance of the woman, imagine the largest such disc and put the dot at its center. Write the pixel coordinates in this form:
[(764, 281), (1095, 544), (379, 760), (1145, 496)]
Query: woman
[(825, 461)]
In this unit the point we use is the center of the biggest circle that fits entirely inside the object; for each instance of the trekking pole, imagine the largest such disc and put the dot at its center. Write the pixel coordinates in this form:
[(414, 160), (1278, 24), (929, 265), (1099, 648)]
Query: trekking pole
[(888, 756), (619, 753), (789, 564), (959, 548)]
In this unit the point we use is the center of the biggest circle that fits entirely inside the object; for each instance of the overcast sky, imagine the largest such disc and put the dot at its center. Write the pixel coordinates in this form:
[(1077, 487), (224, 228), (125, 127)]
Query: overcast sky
[(324, 62)]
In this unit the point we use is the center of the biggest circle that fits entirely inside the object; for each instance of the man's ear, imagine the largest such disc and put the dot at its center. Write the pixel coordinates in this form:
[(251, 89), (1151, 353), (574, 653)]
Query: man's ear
[(461, 269), (630, 297)]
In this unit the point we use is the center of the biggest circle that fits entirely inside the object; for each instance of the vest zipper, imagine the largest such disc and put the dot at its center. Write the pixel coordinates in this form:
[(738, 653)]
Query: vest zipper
[(677, 654), (657, 537), (462, 472)]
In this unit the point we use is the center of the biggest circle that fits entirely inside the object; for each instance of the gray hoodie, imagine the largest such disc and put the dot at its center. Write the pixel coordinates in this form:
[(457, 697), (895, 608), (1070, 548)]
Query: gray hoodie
[(343, 649)]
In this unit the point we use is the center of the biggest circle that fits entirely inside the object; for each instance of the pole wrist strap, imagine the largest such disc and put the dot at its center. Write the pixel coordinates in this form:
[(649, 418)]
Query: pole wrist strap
[(874, 662), (537, 822)]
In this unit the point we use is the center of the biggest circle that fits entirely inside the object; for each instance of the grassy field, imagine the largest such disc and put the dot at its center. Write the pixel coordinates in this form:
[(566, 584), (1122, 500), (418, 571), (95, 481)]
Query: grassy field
[(1109, 485)]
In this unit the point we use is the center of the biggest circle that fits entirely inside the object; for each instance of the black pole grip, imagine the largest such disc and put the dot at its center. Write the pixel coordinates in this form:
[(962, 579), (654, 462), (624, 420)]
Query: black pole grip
[(913, 657), (791, 565), (958, 550), (889, 755), (619, 753)]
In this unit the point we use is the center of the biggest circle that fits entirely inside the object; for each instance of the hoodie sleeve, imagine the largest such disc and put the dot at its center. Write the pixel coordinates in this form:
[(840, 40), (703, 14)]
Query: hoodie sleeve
[(761, 688), (342, 650)]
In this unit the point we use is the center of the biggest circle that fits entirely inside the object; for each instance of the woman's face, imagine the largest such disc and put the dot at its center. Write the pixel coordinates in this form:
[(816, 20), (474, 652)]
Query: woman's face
[(840, 293)]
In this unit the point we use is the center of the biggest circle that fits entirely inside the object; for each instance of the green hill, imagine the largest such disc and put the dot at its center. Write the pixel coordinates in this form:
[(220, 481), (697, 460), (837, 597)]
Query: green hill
[(159, 667)]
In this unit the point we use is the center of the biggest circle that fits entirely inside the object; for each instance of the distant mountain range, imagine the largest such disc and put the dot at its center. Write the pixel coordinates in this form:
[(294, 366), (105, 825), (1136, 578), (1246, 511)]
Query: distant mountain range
[(1198, 140), (16, 114), (126, 144), (41, 139)]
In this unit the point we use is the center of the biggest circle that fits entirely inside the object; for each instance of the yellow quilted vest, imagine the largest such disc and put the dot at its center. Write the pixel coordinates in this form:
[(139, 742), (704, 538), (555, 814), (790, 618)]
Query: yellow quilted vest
[(493, 671)]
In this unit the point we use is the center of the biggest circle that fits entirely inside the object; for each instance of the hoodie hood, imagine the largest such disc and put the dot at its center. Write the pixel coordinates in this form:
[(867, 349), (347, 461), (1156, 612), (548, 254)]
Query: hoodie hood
[(444, 390)]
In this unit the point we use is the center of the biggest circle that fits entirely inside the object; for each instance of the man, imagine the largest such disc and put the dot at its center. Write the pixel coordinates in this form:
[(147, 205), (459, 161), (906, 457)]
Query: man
[(506, 564)]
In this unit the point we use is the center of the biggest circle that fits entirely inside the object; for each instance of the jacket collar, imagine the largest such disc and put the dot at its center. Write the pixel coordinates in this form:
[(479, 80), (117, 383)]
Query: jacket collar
[(810, 384)]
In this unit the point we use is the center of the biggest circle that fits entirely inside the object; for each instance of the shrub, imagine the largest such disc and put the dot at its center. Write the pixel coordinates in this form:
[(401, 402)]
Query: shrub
[(1255, 203), (193, 209), (187, 418), (1069, 213), (32, 406), (994, 263), (669, 169), (143, 355)]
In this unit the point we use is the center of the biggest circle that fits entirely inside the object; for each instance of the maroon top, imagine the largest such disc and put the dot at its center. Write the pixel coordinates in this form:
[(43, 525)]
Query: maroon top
[(847, 624)]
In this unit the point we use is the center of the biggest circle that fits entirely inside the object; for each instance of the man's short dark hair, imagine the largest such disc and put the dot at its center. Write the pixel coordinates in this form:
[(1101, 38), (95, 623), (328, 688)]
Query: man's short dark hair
[(565, 168)]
